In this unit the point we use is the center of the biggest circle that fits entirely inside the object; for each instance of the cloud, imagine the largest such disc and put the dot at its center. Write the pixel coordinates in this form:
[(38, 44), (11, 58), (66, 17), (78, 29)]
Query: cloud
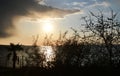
[(103, 4), (42, 2), (81, 4), (11, 9)]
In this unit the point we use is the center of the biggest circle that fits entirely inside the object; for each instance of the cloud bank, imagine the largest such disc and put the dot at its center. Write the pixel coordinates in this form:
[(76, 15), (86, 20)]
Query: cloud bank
[(10, 9)]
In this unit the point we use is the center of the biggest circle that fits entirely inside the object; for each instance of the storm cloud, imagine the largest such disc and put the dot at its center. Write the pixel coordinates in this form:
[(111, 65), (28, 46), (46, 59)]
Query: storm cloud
[(10, 9)]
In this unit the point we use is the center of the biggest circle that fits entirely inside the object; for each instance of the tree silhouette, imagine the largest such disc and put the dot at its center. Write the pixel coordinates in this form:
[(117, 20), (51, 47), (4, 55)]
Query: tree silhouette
[(13, 48), (106, 28)]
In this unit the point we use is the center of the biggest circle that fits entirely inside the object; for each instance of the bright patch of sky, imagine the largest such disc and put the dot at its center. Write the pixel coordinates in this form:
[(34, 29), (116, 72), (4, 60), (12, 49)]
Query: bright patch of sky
[(85, 6), (72, 20)]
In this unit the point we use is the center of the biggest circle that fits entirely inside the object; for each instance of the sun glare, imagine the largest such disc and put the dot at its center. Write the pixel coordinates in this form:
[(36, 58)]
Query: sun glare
[(47, 26)]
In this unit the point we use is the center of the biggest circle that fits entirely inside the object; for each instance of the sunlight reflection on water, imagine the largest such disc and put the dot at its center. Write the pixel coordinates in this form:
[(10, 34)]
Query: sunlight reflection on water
[(49, 54)]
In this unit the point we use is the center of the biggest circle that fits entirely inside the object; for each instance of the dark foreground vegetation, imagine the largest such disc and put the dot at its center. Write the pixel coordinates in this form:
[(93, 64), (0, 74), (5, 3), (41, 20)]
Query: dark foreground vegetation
[(96, 52), (61, 71)]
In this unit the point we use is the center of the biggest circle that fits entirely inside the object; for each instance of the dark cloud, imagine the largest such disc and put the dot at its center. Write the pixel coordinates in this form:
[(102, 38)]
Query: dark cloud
[(9, 9)]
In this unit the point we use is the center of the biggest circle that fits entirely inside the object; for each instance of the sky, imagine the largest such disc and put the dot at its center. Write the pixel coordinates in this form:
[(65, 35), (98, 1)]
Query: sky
[(21, 20)]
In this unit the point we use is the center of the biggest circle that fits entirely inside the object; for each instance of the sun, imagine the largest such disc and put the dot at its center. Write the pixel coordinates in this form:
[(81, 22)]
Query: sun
[(47, 26)]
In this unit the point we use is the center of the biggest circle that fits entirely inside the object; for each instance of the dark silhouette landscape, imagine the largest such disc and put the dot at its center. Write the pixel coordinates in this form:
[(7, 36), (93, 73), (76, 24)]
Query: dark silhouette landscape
[(93, 50)]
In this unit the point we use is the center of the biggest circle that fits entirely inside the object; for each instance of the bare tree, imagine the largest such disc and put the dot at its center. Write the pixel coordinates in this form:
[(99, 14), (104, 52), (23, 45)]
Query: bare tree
[(106, 28)]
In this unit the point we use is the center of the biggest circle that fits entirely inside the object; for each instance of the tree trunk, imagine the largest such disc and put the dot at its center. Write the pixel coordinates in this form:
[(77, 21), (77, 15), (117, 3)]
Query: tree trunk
[(108, 45), (14, 59), (109, 48)]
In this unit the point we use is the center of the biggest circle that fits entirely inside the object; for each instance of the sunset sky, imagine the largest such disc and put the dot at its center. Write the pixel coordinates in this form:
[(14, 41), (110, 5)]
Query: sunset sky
[(22, 19)]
